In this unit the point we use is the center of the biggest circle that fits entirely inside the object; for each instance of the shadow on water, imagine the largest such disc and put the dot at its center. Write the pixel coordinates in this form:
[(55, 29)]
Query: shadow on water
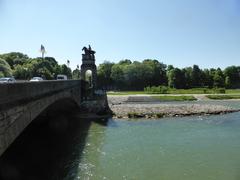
[(49, 148)]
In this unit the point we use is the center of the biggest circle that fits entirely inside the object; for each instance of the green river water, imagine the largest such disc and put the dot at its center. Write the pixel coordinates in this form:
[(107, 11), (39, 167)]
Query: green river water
[(182, 148)]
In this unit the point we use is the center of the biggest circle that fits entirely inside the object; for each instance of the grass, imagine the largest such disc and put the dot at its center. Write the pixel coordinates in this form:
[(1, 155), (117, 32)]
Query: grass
[(177, 91), (125, 92), (175, 98), (232, 91), (222, 97)]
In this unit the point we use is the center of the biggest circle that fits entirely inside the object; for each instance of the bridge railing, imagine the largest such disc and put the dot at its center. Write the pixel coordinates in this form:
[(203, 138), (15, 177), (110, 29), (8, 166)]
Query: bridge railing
[(10, 93)]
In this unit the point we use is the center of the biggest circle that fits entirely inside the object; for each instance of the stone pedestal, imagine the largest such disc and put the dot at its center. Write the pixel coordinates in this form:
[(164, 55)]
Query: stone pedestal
[(88, 63)]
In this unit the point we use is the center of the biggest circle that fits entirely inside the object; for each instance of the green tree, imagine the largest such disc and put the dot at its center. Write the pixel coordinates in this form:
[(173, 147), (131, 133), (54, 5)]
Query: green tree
[(125, 62), (218, 78), (158, 71), (5, 69), (187, 72), (232, 74), (196, 76), (76, 74), (176, 78), (104, 75), (66, 71), (117, 75), (21, 72), (14, 58)]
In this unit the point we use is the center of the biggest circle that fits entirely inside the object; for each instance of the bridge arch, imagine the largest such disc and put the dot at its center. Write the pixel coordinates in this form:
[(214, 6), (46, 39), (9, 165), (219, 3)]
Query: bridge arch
[(21, 103)]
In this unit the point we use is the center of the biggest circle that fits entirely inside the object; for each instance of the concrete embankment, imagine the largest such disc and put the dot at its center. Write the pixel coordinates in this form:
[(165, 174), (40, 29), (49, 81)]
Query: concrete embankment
[(130, 107)]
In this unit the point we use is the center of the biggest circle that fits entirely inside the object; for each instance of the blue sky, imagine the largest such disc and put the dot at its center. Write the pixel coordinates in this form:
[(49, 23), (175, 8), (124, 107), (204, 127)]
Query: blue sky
[(177, 32)]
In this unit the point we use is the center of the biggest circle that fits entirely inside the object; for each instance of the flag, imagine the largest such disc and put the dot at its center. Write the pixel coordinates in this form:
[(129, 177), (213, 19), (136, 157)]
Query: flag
[(42, 49)]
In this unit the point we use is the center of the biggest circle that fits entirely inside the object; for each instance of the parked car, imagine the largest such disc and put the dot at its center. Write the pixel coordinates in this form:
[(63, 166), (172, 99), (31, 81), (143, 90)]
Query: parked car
[(61, 77), (36, 79), (7, 80)]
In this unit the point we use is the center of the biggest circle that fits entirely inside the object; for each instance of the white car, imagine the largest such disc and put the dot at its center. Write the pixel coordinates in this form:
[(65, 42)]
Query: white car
[(36, 79), (61, 77), (7, 80)]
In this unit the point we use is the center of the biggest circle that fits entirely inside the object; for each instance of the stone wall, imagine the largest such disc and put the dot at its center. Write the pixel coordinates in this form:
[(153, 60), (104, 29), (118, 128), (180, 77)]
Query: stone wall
[(20, 103)]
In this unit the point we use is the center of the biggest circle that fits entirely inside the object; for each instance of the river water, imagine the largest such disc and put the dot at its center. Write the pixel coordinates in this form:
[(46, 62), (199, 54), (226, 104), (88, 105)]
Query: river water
[(182, 148)]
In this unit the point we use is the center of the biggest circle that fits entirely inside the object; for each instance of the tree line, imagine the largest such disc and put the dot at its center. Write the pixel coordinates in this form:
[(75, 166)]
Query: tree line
[(21, 66), (124, 75), (128, 75)]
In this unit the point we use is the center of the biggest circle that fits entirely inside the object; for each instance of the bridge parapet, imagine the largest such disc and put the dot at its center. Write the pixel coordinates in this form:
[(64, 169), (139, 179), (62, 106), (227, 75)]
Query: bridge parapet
[(17, 92)]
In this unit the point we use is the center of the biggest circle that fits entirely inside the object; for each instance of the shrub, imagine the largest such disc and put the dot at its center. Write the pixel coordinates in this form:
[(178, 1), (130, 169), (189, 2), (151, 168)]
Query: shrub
[(159, 115), (135, 115), (156, 89), (219, 90)]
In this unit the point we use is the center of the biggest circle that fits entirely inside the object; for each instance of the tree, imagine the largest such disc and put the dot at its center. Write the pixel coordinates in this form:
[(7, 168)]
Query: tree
[(125, 62), (104, 75), (14, 58), (117, 75), (176, 78), (159, 76), (196, 76), (232, 74), (207, 78), (137, 75), (218, 78), (66, 71), (76, 74), (21, 72), (5, 69), (187, 72), (52, 61)]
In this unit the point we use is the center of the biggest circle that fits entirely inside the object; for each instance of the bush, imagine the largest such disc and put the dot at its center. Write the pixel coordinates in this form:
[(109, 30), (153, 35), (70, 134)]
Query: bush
[(219, 90), (135, 115), (156, 89), (159, 115)]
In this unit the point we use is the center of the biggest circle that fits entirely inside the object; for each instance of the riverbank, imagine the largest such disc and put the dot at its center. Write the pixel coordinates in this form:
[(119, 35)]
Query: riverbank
[(144, 107)]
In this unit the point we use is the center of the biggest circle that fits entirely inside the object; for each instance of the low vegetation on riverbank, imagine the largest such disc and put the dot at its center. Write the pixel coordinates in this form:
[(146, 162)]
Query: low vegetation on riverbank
[(174, 98), (223, 97), (179, 91)]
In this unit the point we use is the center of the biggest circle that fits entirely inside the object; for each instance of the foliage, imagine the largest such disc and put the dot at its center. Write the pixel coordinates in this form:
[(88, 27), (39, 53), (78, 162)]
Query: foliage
[(156, 89), (22, 67), (76, 74), (5, 69), (127, 75), (174, 98), (220, 97), (14, 58), (135, 115), (219, 90), (149, 75), (104, 75)]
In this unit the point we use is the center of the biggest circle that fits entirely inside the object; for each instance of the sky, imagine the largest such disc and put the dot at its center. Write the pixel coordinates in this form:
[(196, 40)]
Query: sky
[(177, 32)]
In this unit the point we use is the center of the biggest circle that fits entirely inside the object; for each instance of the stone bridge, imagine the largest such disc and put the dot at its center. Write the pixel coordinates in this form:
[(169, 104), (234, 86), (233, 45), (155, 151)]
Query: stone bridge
[(20, 103)]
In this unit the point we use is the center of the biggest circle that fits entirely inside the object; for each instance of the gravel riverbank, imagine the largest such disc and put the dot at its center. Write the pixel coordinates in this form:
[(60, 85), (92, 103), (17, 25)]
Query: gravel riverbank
[(131, 107)]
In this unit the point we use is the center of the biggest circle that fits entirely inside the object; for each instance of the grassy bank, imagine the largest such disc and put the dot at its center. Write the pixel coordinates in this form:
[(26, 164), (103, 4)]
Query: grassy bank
[(222, 97), (177, 91), (174, 98), (125, 92)]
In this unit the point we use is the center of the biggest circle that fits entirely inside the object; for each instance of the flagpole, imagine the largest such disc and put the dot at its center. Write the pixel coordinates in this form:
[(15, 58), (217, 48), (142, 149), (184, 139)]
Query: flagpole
[(42, 51)]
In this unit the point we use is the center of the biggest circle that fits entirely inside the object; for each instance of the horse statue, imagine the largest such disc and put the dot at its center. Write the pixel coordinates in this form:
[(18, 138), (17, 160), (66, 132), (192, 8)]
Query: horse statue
[(88, 51)]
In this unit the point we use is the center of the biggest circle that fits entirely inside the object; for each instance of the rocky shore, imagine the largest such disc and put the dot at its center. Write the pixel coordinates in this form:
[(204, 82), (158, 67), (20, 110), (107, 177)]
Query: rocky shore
[(123, 108)]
